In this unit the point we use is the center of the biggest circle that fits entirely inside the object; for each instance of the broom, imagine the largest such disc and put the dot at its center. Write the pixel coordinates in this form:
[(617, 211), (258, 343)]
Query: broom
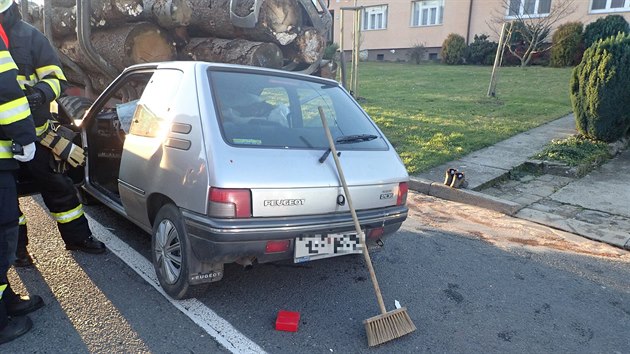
[(388, 325)]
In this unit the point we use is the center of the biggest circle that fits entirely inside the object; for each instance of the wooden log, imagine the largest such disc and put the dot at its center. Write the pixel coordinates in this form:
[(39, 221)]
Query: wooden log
[(106, 9), (235, 51), (63, 3), (180, 37), (278, 20), (123, 46), (104, 13), (308, 47), (169, 14)]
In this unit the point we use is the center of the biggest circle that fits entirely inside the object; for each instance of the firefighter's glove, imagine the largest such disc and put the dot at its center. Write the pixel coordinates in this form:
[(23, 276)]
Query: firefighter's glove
[(35, 97), (60, 143), (28, 152)]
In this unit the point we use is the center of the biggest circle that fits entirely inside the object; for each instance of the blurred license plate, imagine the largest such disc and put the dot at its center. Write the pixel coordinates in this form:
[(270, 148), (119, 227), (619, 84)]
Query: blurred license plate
[(308, 248)]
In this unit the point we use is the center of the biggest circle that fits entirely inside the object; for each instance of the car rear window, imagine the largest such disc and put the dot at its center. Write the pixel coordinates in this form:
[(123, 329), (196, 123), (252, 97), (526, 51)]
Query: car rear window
[(281, 112)]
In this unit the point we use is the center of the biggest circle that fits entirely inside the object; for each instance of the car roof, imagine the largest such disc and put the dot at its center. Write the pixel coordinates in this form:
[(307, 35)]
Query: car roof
[(204, 65)]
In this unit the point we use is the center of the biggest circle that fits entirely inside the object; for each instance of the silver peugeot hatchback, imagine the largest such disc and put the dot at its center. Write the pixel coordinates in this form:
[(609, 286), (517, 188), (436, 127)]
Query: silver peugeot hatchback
[(225, 163)]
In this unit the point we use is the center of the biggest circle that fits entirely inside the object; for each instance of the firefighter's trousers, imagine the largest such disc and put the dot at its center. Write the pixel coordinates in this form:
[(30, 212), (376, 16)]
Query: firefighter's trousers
[(59, 195)]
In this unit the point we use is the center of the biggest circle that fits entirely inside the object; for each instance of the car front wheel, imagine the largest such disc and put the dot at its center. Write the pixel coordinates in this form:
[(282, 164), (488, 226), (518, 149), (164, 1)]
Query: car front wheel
[(169, 253)]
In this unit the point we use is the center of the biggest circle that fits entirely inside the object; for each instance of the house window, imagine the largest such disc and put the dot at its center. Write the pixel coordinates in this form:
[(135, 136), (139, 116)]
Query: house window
[(374, 18), (610, 5), (529, 8), (427, 13)]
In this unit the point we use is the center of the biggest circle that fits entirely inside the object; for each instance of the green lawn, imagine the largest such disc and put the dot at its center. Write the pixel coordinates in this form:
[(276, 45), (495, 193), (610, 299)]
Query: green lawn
[(433, 113)]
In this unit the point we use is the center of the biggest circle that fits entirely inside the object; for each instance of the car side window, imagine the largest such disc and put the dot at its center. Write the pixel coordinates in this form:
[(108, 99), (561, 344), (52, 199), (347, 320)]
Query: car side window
[(278, 98), (310, 101), (151, 113)]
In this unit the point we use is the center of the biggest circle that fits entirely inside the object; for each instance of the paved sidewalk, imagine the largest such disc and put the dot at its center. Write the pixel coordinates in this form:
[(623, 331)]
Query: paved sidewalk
[(595, 206), (486, 165)]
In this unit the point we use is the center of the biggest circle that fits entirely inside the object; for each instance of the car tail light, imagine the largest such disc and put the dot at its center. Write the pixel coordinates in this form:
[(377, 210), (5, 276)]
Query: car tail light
[(277, 246), (229, 203), (403, 188)]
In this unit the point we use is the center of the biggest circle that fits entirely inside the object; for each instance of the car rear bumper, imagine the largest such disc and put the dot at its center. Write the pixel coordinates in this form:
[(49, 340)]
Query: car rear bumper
[(227, 240)]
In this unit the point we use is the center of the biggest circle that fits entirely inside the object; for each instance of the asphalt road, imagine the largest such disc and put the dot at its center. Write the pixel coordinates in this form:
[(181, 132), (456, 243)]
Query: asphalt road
[(464, 292)]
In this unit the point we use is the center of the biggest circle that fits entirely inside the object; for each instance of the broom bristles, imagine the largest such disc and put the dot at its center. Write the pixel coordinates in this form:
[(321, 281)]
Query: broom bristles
[(385, 327)]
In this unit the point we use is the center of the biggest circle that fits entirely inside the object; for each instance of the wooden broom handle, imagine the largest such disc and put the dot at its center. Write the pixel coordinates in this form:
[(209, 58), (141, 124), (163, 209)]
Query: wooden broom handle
[(366, 254)]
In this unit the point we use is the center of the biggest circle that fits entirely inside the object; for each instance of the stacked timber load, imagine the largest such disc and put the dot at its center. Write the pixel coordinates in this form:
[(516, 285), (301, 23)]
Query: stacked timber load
[(281, 34)]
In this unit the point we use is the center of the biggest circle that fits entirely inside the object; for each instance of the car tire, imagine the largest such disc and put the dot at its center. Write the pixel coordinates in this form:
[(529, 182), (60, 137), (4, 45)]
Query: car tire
[(72, 108), (169, 253)]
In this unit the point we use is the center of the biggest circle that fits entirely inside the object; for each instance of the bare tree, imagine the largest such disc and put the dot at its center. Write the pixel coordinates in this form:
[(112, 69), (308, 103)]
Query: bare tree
[(532, 22)]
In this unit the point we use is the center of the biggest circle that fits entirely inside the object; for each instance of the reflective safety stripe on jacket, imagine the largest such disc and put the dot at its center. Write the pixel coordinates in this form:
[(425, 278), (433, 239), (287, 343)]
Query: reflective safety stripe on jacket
[(22, 220), (68, 216), (5, 149), (15, 123), (11, 112), (16, 109), (39, 130), (2, 288), (38, 66), (50, 74)]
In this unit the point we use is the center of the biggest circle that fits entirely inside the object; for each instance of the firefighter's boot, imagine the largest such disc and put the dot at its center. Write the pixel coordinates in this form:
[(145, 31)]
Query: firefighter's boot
[(20, 305), (11, 327)]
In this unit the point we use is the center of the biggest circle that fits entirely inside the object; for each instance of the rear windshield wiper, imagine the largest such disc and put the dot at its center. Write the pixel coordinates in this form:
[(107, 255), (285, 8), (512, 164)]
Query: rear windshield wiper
[(348, 139)]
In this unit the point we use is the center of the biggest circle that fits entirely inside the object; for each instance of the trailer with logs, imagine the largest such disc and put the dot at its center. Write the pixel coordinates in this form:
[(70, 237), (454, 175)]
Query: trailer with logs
[(97, 39)]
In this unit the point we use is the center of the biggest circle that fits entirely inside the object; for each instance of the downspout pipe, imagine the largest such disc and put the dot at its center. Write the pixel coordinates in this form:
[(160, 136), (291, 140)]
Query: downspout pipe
[(83, 36)]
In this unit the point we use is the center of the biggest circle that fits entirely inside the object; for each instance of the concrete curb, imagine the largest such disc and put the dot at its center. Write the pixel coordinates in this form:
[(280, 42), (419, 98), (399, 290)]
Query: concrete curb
[(577, 227), (439, 190)]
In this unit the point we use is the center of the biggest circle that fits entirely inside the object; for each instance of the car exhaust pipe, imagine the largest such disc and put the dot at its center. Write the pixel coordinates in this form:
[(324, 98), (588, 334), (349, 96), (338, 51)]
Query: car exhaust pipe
[(246, 262)]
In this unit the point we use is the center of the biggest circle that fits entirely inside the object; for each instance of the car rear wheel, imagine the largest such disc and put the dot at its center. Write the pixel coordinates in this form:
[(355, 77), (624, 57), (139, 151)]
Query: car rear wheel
[(169, 253)]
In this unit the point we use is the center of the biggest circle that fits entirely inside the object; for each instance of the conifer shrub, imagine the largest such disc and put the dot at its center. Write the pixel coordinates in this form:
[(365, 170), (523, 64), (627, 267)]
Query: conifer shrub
[(567, 47), (481, 51), (603, 28), (331, 51), (453, 49), (600, 90)]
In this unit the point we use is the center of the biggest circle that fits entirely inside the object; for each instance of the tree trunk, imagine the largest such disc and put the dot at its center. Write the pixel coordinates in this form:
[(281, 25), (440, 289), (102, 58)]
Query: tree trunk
[(235, 51), (105, 9), (123, 46), (278, 20), (104, 14), (308, 47), (169, 14)]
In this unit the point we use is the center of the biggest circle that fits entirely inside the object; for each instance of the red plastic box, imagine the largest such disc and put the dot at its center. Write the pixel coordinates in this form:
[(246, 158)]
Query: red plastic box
[(287, 321)]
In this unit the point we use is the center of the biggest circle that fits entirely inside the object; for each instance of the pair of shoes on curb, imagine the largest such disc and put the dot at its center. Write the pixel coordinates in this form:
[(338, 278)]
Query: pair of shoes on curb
[(23, 258), (18, 323), (89, 245), (455, 179)]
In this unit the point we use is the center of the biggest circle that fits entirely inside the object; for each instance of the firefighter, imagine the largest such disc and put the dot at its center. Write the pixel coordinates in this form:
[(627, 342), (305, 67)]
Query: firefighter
[(17, 134), (41, 78)]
